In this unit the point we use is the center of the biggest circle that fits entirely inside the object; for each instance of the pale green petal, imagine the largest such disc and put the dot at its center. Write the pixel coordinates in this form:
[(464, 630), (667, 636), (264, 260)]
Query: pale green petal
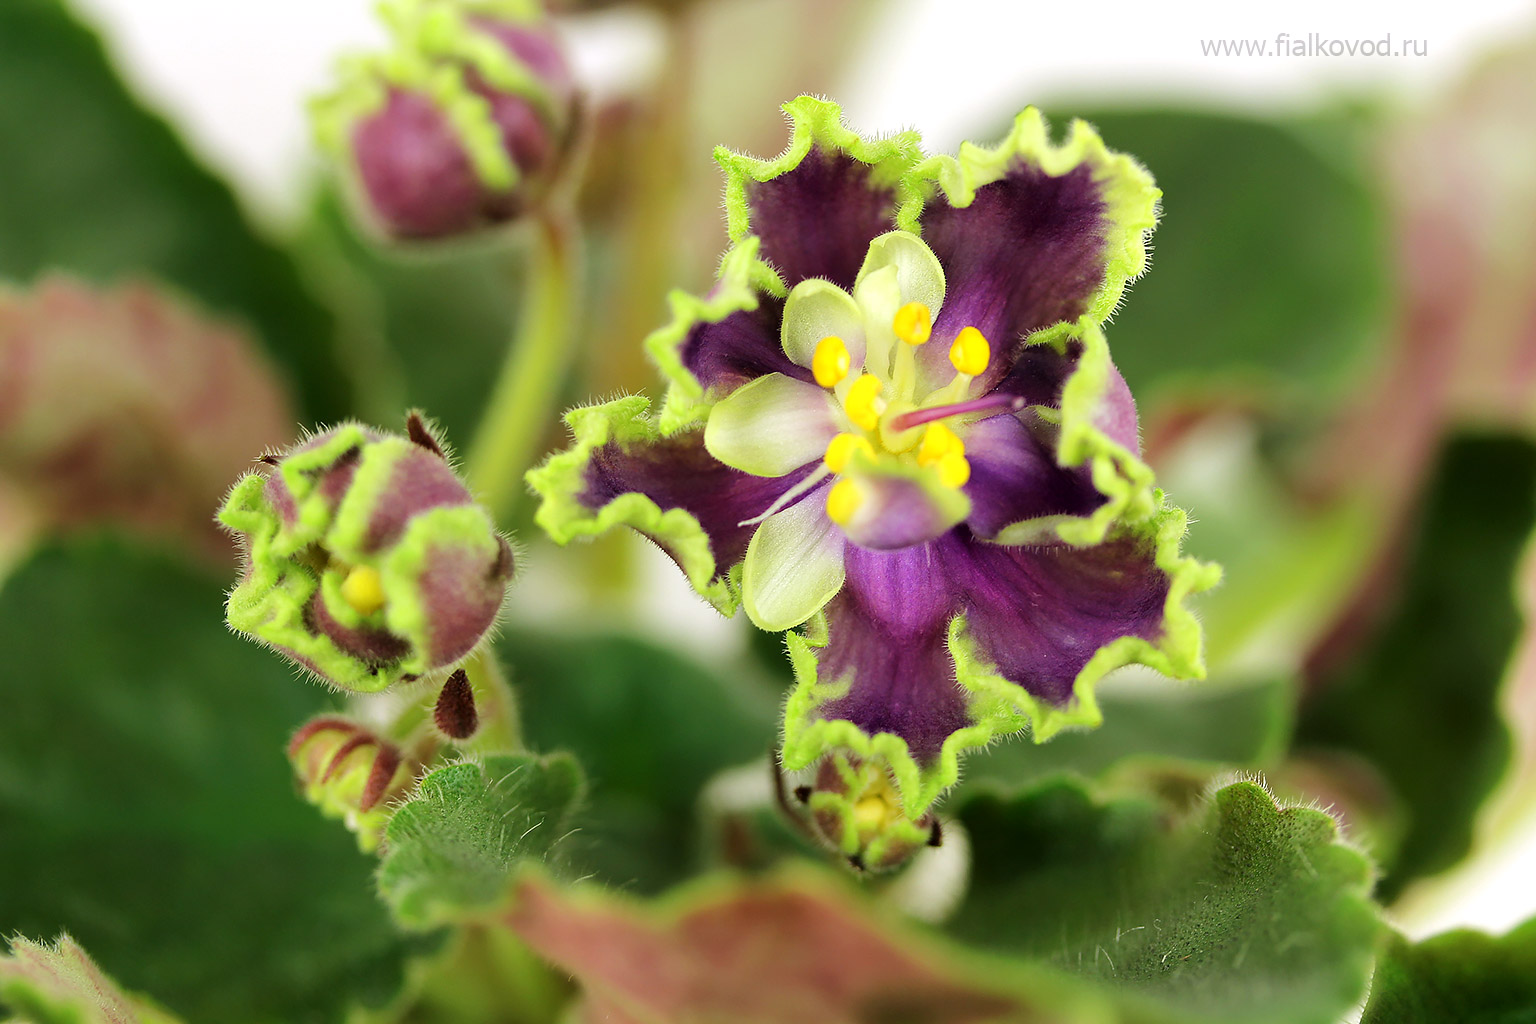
[(878, 294), (794, 565), (918, 272), (772, 426), (815, 309)]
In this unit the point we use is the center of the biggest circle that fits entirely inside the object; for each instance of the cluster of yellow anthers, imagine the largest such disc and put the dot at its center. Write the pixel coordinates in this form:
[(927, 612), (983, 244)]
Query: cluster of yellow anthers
[(363, 589), (891, 420)]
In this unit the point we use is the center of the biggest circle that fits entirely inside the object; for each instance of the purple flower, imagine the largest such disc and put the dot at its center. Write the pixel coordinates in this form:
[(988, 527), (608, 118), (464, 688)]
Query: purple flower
[(463, 126), (895, 424)]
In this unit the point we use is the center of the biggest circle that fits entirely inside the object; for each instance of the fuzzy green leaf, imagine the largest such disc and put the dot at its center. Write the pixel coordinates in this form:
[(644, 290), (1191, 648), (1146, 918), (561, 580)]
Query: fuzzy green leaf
[(99, 186), (1241, 912), (1243, 724), (1462, 976), (1420, 700), (650, 729), (1239, 291), (61, 984), (453, 846), (146, 806)]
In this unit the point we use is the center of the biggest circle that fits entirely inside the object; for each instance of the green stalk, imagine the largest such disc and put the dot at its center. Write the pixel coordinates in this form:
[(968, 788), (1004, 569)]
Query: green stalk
[(528, 386)]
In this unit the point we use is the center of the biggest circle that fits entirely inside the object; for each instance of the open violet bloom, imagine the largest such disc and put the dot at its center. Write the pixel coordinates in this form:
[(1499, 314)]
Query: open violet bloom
[(894, 426)]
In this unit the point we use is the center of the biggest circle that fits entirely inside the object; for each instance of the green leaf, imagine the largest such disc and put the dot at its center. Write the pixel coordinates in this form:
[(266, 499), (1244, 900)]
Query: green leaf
[(1271, 255), (1462, 976), (1240, 912), (1420, 699), (97, 185), (1242, 724), (61, 984), (146, 805), (453, 846), (651, 729)]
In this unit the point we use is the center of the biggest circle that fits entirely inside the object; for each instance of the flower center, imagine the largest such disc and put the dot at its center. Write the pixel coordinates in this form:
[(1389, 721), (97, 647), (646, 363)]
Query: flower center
[(884, 421), (363, 589)]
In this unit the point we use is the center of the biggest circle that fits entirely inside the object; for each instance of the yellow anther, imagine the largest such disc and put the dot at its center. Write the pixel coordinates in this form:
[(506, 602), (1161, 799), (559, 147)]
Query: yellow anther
[(938, 441), (970, 353), (863, 404), (872, 813), (830, 363), (954, 470), (843, 500), (841, 449), (913, 323), (363, 589)]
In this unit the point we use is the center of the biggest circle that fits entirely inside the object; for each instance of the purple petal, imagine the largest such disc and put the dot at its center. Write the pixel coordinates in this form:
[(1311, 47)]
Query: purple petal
[(1014, 475), (818, 219), (1028, 252), (677, 472), (415, 173), (1039, 614), (1117, 415), (742, 347), (462, 595), (419, 480), (886, 636)]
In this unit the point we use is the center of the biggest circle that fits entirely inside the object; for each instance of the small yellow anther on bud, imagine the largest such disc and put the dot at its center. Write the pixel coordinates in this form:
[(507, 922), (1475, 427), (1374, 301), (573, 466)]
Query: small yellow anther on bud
[(830, 363), (970, 353), (843, 500), (863, 404), (938, 441), (872, 813), (363, 589), (954, 469), (913, 323), (841, 449)]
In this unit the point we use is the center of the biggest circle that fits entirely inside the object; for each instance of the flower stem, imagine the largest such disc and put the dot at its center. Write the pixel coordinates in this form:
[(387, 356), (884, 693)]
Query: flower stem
[(528, 385)]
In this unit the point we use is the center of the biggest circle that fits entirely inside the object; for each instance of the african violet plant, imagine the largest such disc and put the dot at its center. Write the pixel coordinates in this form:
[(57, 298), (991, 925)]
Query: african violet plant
[(943, 782)]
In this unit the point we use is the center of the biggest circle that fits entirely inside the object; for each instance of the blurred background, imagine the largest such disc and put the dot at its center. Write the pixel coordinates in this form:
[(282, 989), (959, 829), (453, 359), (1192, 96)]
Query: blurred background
[(1334, 352)]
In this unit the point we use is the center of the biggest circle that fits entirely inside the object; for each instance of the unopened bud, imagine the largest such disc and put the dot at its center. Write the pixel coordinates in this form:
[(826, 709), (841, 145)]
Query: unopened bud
[(349, 774), (367, 560), (855, 807)]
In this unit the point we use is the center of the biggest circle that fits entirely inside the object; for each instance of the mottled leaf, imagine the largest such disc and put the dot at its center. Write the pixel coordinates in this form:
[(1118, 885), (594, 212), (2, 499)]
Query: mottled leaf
[(61, 984)]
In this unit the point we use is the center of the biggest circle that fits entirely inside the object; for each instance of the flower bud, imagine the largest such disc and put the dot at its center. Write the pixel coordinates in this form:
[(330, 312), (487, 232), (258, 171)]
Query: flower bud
[(349, 774), (367, 561), (855, 808), (463, 126)]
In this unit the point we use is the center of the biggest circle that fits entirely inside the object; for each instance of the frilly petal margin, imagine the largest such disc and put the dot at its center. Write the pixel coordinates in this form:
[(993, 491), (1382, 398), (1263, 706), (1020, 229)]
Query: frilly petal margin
[(582, 494), (1132, 201), (826, 232), (997, 707)]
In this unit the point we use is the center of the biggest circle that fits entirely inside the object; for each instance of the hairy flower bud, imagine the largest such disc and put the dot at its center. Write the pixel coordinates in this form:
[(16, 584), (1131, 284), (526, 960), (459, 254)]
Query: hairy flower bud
[(855, 807), (367, 560), (349, 774), (464, 125)]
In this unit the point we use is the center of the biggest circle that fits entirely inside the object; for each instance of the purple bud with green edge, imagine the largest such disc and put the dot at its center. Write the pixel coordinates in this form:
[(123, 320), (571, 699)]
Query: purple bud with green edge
[(855, 809), (366, 559), (350, 774), (464, 126)]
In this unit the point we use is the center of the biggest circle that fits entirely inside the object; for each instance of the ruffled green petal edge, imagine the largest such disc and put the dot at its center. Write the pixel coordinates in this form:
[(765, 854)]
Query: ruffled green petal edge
[(1132, 199), (561, 479), (743, 276), (999, 707)]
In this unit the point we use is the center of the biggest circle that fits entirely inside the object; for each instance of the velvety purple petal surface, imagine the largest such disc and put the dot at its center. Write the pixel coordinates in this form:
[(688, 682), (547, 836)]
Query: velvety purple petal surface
[(818, 219), (1026, 253), (462, 592), (419, 480), (1039, 613), (677, 472), (1014, 475), (887, 630), (739, 349)]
